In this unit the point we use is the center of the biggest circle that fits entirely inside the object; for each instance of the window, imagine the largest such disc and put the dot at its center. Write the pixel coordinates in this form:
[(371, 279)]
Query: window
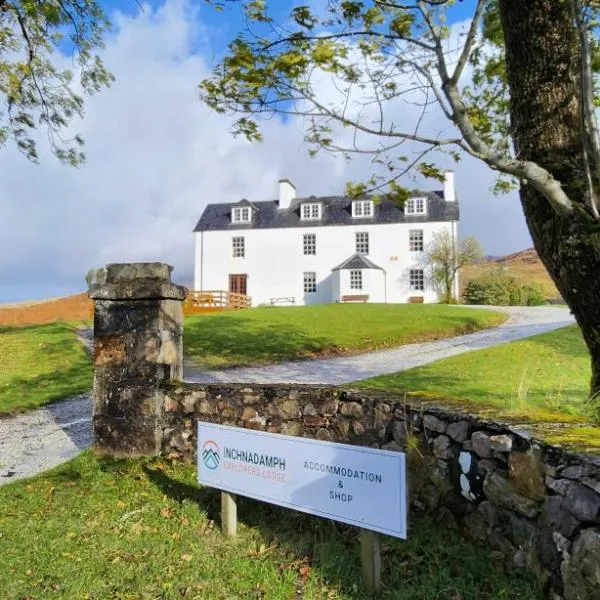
[(417, 279), (310, 282), (311, 211), (362, 243), (309, 243), (240, 215), (362, 208), (415, 206), (356, 279), (239, 247), (415, 240)]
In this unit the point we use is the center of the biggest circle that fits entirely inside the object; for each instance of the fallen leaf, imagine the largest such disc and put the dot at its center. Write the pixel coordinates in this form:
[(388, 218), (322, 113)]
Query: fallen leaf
[(186, 557)]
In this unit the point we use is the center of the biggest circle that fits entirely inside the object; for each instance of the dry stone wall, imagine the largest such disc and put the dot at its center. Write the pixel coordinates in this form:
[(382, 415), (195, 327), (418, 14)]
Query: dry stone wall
[(535, 504)]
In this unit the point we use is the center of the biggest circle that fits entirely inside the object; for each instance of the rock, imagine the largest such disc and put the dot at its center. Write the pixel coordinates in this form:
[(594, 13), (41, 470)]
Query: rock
[(399, 432), (351, 409), (593, 484), (526, 476), (434, 424), (205, 407), (557, 519), (445, 517), (500, 492), (519, 559), (393, 446), (581, 573), (381, 415), (329, 407), (291, 428), (576, 471), (481, 444), (170, 404), (324, 434), (309, 410), (582, 502), (458, 431), (315, 421), (341, 427), (442, 447), (249, 413), (558, 486), (189, 403), (501, 443), (358, 428), (288, 409)]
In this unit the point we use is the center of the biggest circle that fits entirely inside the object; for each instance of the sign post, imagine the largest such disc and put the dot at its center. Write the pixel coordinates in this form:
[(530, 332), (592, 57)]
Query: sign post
[(228, 514), (365, 487)]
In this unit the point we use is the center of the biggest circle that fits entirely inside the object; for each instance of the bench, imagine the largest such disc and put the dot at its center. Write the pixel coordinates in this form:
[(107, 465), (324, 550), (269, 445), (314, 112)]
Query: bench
[(356, 298), (416, 300), (284, 300)]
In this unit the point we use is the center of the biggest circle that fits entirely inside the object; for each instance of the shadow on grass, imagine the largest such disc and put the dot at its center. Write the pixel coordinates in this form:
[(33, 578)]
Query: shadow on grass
[(236, 341), (433, 564)]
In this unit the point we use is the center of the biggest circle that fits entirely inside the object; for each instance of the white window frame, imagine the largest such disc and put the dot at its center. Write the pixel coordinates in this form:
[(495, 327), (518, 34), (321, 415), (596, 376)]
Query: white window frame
[(416, 206), (416, 280), (310, 211), (356, 279), (309, 244), (361, 242), (362, 209), (416, 240), (241, 214), (238, 246), (309, 280)]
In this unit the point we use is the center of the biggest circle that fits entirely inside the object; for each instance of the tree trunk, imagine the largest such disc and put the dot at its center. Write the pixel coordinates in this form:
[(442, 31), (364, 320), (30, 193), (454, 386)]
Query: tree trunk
[(542, 60)]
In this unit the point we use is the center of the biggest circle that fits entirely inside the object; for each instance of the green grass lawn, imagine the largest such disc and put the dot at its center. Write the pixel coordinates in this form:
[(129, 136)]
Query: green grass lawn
[(266, 335), (40, 364), (544, 378), (142, 529)]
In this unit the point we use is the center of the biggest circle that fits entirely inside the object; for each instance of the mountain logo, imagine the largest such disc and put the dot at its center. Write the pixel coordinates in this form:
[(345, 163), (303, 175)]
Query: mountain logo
[(210, 455)]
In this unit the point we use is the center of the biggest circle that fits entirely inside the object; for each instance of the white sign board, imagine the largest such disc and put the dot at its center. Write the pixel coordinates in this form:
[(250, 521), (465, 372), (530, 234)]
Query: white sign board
[(360, 486)]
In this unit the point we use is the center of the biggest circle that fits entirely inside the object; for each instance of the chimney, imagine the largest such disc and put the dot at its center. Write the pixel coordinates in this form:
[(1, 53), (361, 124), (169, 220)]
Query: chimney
[(449, 190), (287, 192)]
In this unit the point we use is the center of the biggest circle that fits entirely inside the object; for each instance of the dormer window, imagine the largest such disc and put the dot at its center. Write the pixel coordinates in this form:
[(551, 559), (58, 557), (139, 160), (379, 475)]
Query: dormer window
[(240, 214), (362, 208), (415, 206), (311, 211)]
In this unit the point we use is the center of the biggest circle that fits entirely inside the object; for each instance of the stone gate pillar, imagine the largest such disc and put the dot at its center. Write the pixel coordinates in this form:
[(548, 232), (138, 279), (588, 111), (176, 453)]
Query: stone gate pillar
[(138, 331)]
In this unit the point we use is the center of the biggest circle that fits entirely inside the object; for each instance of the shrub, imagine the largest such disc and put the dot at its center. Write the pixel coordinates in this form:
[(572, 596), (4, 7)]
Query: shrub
[(503, 290)]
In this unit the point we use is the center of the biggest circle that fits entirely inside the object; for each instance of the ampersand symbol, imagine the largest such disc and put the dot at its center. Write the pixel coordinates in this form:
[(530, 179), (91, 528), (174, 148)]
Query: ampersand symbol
[(340, 484)]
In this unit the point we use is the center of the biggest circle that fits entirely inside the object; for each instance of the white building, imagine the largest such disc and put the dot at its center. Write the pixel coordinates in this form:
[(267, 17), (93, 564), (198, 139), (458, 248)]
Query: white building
[(319, 250)]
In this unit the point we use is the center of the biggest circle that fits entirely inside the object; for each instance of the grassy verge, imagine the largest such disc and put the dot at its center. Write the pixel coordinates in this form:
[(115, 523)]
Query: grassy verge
[(544, 378), (95, 529), (40, 364), (267, 335)]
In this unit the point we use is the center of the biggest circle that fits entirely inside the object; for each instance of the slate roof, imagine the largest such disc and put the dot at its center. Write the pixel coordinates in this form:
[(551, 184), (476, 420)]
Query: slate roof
[(337, 210), (357, 261)]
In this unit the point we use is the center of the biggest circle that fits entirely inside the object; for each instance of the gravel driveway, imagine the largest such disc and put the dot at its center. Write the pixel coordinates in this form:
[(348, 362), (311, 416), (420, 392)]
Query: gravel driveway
[(49, 436)]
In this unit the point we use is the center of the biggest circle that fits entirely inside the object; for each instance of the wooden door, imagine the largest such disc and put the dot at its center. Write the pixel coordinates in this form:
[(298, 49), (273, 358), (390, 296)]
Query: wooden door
[(237, 284)]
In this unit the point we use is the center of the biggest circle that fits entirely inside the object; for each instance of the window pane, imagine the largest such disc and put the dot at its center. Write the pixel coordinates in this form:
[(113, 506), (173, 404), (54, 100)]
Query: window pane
[(310, 282), (417, 279), (310, 243), (362, 243), (238, 247), (356, 279), (415, 240)]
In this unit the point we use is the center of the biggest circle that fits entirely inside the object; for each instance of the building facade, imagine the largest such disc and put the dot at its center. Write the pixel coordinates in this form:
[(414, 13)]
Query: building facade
[(320, 250)]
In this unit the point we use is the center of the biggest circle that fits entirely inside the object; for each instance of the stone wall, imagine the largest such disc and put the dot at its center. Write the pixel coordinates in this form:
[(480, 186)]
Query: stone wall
[(535, 504)]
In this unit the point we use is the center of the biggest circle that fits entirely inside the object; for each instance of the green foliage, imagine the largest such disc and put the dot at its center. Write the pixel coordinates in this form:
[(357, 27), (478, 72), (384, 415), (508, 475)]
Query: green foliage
[(498, 288), (36, 92), (271, 334), (446, 256), (544, 378), (41, 364), (124, 529)]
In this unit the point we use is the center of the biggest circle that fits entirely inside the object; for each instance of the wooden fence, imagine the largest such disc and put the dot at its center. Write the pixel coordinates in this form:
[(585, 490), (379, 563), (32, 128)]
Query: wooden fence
[(214, 300)]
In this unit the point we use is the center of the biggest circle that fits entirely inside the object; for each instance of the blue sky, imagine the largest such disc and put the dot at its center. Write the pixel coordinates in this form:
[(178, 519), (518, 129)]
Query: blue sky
[(156, 156)]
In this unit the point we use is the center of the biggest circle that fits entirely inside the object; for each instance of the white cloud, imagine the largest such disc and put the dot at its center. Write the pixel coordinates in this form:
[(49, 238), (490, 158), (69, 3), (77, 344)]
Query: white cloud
[(156, 156)]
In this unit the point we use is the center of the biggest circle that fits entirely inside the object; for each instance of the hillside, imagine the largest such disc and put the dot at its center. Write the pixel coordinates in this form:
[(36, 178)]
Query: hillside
[(72, 308), (525, 266)]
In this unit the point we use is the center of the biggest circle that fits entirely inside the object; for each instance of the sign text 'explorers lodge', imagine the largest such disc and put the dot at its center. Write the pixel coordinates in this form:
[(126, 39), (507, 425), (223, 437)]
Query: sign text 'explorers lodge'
[(360, 486)]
